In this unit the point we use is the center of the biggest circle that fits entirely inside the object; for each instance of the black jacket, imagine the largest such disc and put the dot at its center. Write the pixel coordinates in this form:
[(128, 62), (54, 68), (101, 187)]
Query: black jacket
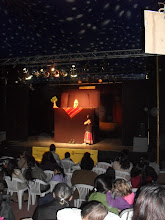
[(48, 211)]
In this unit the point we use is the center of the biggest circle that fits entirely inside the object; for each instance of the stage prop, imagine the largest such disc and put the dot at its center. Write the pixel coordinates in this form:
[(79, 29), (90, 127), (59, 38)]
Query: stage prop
[(75, 154), (154, 32), (69, 124)]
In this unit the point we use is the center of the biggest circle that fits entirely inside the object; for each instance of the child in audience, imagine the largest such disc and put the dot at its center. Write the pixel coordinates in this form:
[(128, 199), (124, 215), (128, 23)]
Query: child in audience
[(59, 174), (102, 185), (121, 195)]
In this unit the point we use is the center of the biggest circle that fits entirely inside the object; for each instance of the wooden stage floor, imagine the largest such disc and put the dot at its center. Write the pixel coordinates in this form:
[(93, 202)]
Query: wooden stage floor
[(113, 144)]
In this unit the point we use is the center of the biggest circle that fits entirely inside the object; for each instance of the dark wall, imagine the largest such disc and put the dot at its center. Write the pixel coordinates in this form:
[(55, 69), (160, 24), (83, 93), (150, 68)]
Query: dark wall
[(136, 95), (17, 112)]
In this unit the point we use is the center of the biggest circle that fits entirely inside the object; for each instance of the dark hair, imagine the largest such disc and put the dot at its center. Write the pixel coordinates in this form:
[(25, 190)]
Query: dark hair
[(102, 183), (135, 172), (28, 172), (110, 172), (59, 169), (150, 204), (94, 210), (67, 155), (124, 161), (12, 164), (52, 147), (63, 193), (87, 163), (47, 156)]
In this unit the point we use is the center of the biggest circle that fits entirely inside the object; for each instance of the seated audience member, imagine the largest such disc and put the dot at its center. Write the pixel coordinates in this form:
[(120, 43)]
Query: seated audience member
[(67, 156), (150, 203), (136, 177), (22, 161), (123, 163), (62, 194), (93, 210), (56, 156), (85, 175), (110, 172), (123, 195), (102, 185), (48, 162), (13, 171), (59, 174), (34, 172)]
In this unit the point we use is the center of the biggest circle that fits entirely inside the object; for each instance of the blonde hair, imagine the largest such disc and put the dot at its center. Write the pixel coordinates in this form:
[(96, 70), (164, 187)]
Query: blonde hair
[(121, 188)]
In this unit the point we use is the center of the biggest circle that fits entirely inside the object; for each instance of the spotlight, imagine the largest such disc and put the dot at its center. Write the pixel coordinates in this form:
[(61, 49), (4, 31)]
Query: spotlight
[(100, 80)]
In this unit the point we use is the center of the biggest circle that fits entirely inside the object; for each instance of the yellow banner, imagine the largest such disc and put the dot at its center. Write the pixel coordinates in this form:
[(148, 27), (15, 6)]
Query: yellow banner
[(75, 154)]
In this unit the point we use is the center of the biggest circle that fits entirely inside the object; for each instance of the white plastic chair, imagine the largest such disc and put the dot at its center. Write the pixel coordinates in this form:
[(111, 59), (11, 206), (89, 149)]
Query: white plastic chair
[(83, 190), (49, 174), (122, 175), (68, 178), (98, 170), (13, 186), (103, 165), (76, 167), (126, 214), (67, 165), (35, 189), (52, 185)]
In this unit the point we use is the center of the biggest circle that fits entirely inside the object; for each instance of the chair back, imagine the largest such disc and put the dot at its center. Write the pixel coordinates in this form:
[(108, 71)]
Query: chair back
[(99, 170), (35, 186), (122, 175), (49, 174), (52, 185), (126, 214), (12, 184), (68, 178), (67, 165), (83, 190), (76, 167), (103, 165)]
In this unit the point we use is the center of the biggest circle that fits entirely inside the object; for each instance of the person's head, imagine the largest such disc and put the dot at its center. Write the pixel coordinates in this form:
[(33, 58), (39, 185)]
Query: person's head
[(150, 204), (94, 210), (52, 147), (124, 161), (136, 172), (121, 188), (67, 155), (63, 193), (12, 164), (102, 183), (87, 163), (58, 170), (48, 156), (110, 172)]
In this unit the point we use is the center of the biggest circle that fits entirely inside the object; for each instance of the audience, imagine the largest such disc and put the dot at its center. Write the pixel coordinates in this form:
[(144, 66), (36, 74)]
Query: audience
[(22, 161), (34, 172), (85, 175), (59, 174), (123, 195), (102, 185), (110, 172), (56, 156), (48, 162), (150, 204), (62, 194), (67, 156)]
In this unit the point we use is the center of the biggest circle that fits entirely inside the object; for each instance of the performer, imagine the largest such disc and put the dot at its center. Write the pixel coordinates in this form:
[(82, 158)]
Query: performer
[(88, 133)]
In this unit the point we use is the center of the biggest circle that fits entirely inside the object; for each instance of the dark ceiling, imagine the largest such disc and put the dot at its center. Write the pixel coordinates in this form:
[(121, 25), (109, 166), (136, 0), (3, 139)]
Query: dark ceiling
[(53, 27)]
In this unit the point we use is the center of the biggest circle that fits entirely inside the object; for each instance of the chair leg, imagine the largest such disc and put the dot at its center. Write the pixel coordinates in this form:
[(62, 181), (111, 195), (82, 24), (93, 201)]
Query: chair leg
[(20, 194), (29, 201)]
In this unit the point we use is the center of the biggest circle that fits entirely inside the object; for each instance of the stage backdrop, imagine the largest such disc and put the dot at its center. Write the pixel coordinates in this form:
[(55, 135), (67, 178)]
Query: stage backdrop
[(67, 128)]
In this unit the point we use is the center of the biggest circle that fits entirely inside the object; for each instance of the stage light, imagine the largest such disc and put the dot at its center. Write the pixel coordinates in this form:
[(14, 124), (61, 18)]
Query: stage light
[(79, 81), (52, 69), (29, 77), (100, 80)]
